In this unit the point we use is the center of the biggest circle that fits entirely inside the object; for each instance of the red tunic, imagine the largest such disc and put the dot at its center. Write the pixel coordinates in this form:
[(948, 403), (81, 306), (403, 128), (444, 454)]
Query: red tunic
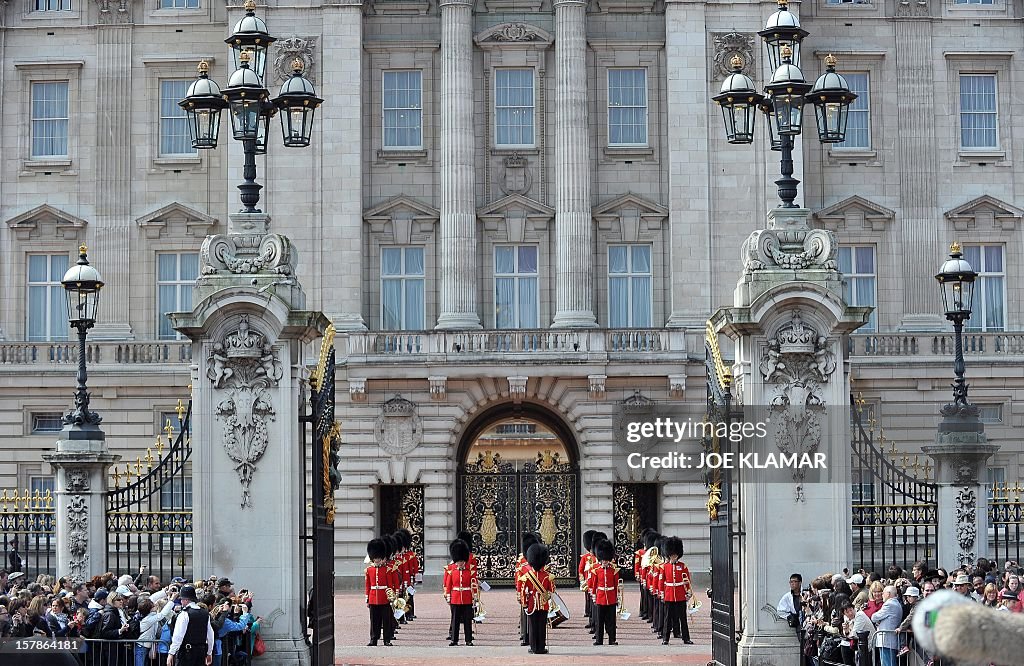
[(533, 600), (587, 562), (603, 583), (675, 581), (654, 579), (378, 581), (458, 584), (414, 565), (638, 558)]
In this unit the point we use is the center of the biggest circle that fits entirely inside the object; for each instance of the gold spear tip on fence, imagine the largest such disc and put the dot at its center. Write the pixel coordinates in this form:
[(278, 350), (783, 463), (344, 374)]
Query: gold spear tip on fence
[(181, 410)]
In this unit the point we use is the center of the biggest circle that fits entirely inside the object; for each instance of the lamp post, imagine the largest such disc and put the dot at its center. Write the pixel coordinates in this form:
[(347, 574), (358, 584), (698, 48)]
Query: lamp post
[(784, 98), (248, 101), (956, 281), (82, 283)]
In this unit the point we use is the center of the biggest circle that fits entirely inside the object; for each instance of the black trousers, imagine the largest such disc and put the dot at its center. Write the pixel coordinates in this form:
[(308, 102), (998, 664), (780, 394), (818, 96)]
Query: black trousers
[(605, 622), (191, 656), (410, 613), (381, 618), (462, 614), (588, 608), (538, 628), (675, 621), (643, 601), (523, 625), (656, 608)]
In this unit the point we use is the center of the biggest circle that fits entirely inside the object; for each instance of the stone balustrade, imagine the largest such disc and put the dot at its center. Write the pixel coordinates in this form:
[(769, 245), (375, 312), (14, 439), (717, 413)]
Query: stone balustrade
[(147, 353), (996, 345)]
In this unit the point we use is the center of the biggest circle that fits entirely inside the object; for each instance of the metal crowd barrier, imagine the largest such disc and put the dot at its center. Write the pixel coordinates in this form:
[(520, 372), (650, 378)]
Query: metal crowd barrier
[(101, 652)]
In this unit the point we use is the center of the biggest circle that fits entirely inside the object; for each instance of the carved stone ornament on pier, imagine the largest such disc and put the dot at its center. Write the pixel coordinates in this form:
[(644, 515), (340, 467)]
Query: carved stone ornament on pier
[(114, 11), (288, 50), (398, 427), (78, 536), (729, 44), (244, 366), (795, 366), (247, 253), (789, 244), (966, 525)]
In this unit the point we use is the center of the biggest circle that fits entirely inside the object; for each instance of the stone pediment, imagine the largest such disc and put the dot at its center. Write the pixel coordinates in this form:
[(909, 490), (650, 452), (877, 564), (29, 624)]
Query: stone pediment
[(985, 212), (513, 34), (634, 213), (176, 220), (516, 212), (855, 212), (405, 216), (47, 222)]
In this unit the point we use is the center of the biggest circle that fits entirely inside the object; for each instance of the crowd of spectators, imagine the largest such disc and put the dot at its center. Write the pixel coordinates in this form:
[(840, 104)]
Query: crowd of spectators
[(127, 621), (864, 619)]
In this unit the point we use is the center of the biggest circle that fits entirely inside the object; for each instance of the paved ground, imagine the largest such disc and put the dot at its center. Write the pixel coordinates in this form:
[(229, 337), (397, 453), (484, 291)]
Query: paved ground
[(496, 641)]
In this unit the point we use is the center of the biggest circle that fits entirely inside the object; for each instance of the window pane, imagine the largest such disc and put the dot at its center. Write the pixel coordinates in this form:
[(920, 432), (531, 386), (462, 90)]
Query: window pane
[(528, 303), (617, 259), (845, 263), (641, 302), (618, 302), (527, 259), (38, 267), (504, 259), (993, 292), (858, 125), (167, 267), (168, 302), (414, 305), (402, 107), (627, 107), (414, 261), (58, 267), (391, 297), (513, 106), (174, 132), (391, 261), (37, 310), (865, 260), (189, 266), (972, 253), (641, 258), (978, 111), (993, 259), (504, 303)]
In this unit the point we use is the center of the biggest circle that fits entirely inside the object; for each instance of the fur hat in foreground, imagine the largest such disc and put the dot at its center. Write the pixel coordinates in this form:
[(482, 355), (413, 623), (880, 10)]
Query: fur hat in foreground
[(376, 549), (458, 550), (538, 556)]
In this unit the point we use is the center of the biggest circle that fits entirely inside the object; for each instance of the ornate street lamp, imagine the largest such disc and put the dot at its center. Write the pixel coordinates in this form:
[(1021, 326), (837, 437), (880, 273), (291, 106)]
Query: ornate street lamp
[(784, 98), (82, 283), (249, 104), (956, 281)]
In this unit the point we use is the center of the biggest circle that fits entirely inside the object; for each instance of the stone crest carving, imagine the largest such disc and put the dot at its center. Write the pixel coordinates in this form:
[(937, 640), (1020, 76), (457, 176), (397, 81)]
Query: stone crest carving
[(115, 11), (517, 177), (78, 480), (398, 427), (636, 408), (516, 32), (291, 48), (247, 253), (245, 367), (796, 364), (966, 525), (728, 44), (78, 537)]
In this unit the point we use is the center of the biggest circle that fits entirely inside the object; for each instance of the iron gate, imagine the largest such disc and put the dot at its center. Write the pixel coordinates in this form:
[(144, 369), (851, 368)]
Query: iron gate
[(895, 514), (721, 510), (149, 518), (634, 508), (402, 507), (318, 527), (499, 500)]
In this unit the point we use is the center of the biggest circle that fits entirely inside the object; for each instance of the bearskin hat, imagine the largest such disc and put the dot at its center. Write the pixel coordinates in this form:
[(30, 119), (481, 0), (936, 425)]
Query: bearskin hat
[(529, 538), (604, 550), (588, 539), (538, 556), (405, 536), (389, 544), (458, 550), (651, 539), (377, 549), (600, 536), (468, 538), (673, 546)]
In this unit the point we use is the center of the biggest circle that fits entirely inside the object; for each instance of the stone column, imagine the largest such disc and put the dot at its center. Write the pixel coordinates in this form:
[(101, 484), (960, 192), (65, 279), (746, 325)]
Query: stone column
[(961, 451), (249, 335), (458, 246), (789, 324), (341, 263), (574, 300), (80, 466)]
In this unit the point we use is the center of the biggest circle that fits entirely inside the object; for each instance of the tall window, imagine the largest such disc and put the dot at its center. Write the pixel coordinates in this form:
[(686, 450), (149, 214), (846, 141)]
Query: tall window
[(989, 313), (857, 264), (179, 4), (858, 126), (513, 107), (47, 312), (401, 289), (176, 494), (515, 286), (50, 119), (973, 2), (53, 5), (627, 107), (174, 134), (403, 109), (629, 286), (978, 114), (176, 275), (993, 476)]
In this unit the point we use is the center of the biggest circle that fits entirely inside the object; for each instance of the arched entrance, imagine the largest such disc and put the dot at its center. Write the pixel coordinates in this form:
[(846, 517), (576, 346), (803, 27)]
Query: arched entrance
[(518, 472)]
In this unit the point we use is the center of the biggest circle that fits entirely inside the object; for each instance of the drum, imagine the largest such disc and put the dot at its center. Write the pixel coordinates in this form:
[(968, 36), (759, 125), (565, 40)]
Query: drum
[(559, 612)]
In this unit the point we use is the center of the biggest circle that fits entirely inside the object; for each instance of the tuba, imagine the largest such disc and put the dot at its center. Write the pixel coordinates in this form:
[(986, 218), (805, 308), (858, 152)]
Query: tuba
[(621, 611), (479, 612), (650, 558), (397, 603)]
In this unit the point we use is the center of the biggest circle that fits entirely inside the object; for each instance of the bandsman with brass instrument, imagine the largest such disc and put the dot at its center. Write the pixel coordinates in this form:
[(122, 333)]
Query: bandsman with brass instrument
[(538, 585), (676, 591), (381, 585), (654, 562), (638, 556), (605, 586), (459, 585), (587, 561), (645, 567), (529, 538), (392, 545), (409, 565)]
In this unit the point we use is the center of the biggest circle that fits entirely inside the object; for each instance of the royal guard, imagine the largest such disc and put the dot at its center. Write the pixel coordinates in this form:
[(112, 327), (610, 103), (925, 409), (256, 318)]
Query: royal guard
[(538, 585), (638, 558), (529, 538), (677, 591), (381, 585), (458, 591), (391, 547), (413, 564), (645, 568), (583, 572), (654, 583), (604, 583), (468, 538), (408, 565)]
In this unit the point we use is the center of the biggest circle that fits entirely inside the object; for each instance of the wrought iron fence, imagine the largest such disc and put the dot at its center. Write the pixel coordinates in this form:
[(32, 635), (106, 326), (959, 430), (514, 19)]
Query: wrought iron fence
[(28, 527), (149, 518), (1005, 519)]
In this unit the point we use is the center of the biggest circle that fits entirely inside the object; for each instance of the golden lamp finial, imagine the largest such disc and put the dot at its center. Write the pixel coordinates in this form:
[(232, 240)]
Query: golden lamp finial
[(786, 51), (298, 65), (82, 249), (250, 5), (954, 248), (736, 62), (203, 67), (831, 60)]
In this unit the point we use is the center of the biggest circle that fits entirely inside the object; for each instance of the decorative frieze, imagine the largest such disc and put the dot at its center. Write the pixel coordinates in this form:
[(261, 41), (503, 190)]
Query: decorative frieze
[(357, 389), (597, 386), (438, 388)]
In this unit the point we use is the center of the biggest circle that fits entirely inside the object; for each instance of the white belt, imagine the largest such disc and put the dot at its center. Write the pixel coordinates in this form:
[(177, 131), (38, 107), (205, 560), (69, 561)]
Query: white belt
[(675, 584), (462, 589), (379, 587), (606, 589)]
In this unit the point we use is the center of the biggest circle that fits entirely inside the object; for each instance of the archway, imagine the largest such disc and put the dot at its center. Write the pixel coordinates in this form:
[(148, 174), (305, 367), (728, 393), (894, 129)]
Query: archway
[(518, 472)]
